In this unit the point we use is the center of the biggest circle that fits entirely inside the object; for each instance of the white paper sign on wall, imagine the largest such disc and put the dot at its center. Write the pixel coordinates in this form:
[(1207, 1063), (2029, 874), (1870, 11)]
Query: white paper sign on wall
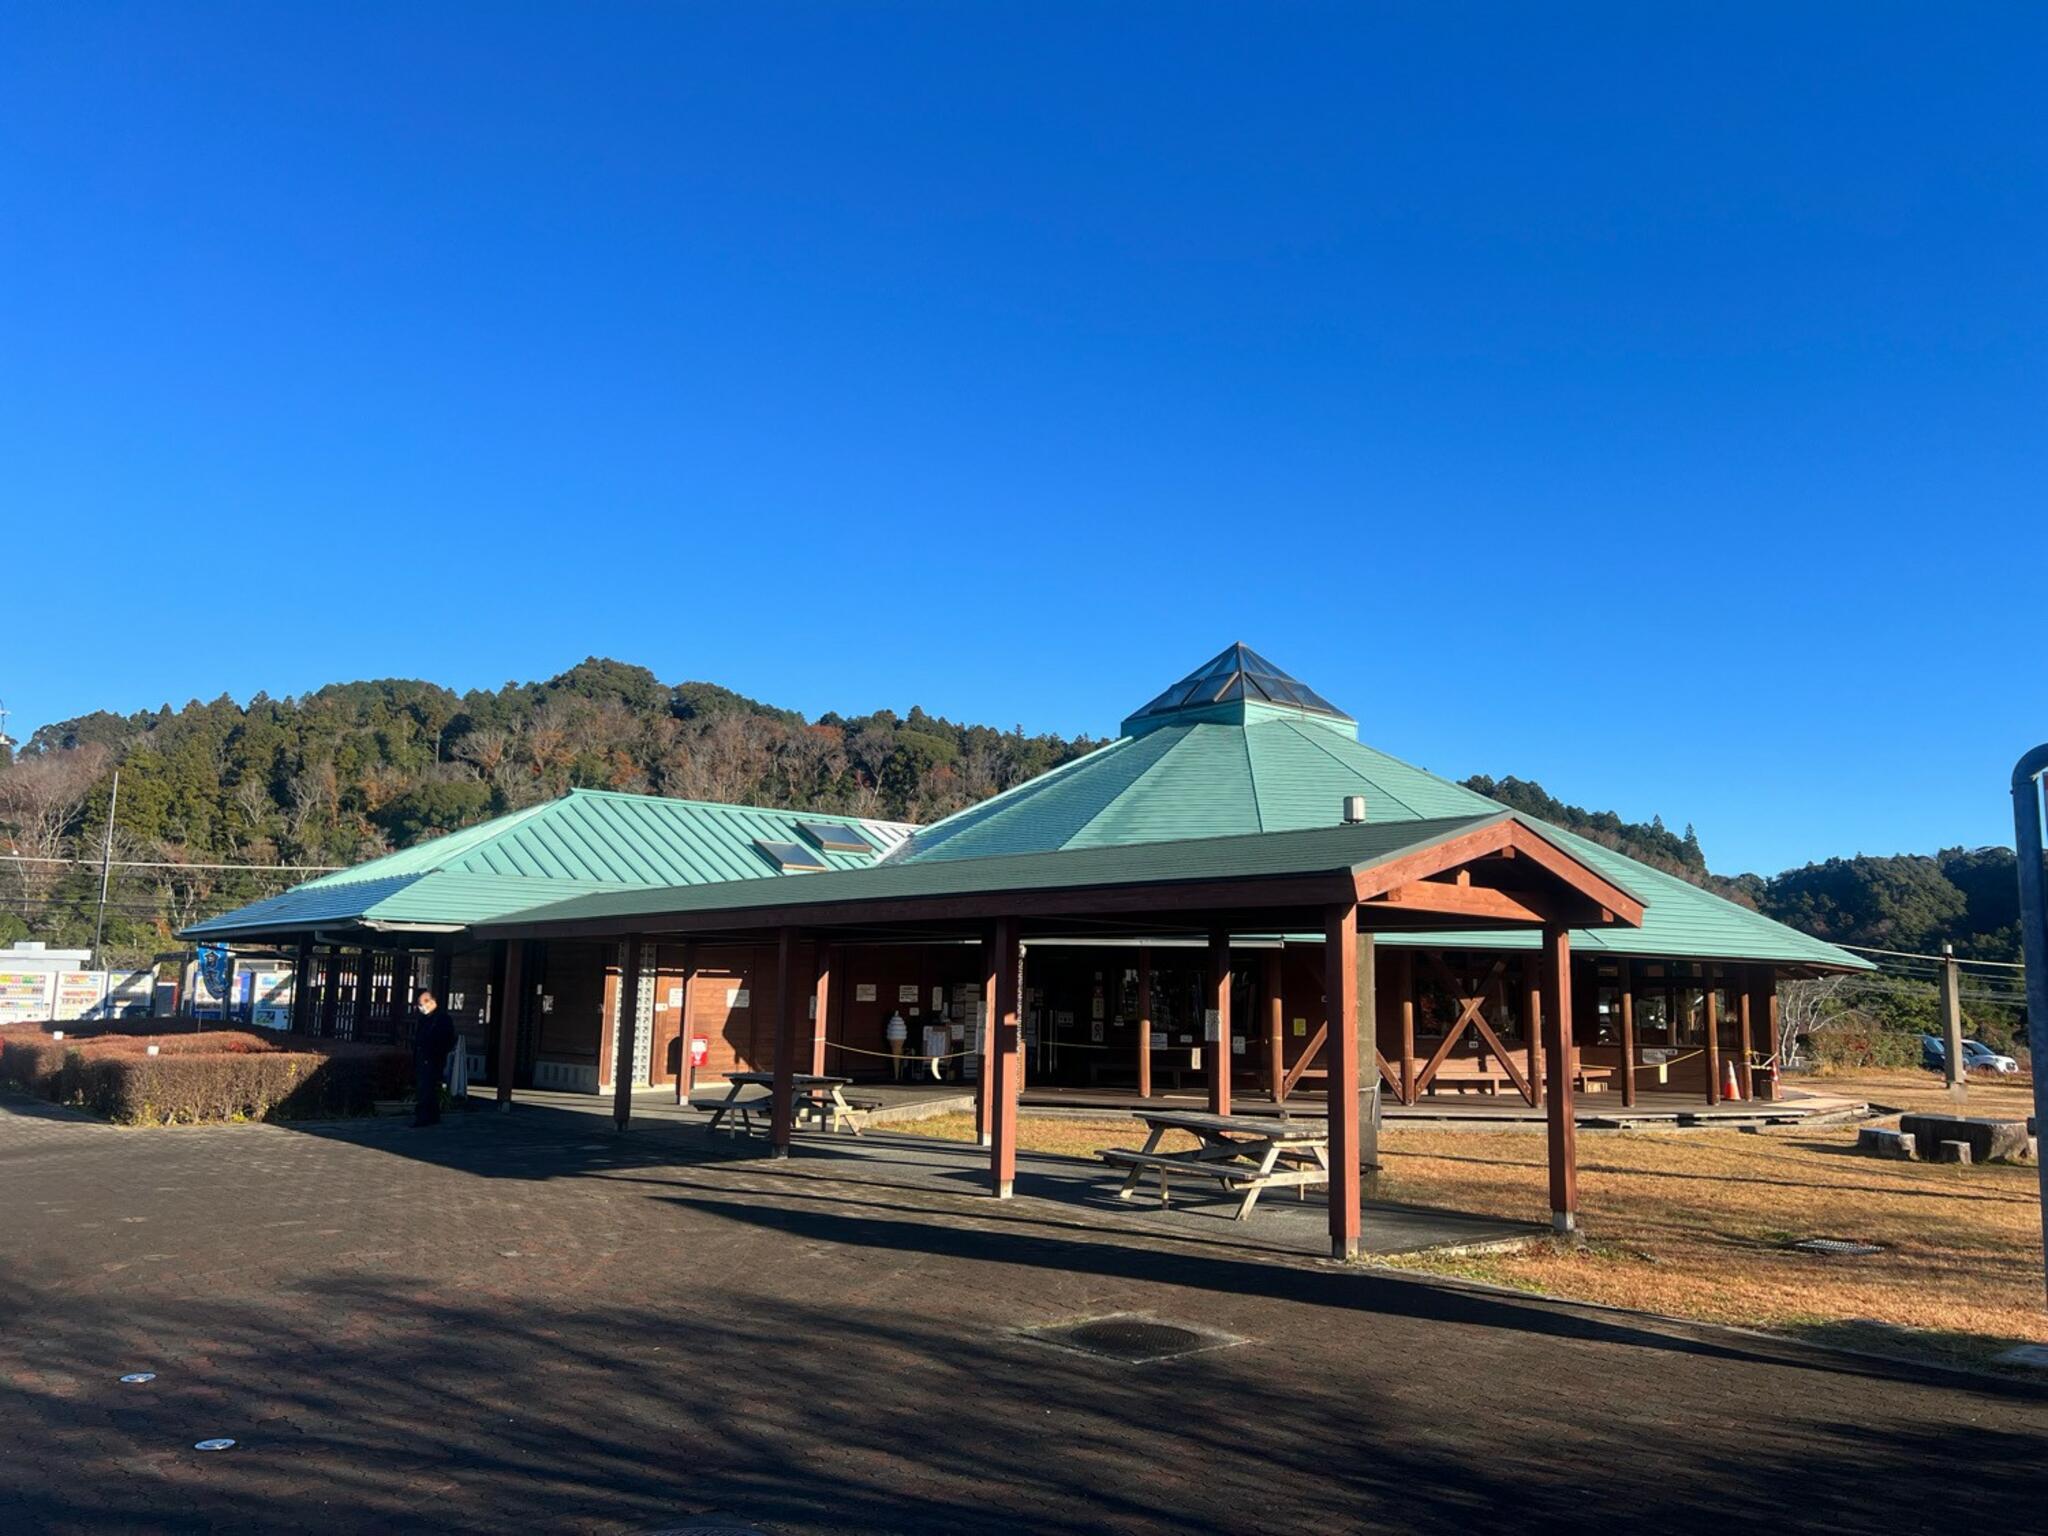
[(907, 993), (738, 997), (864, 992), (1300, 1028), (1212, 1025), (675, 997)]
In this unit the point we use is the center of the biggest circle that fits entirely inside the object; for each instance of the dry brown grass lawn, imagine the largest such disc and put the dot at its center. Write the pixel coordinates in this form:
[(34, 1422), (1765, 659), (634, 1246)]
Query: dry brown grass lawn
[(1696, 1223), (2003, 1097)]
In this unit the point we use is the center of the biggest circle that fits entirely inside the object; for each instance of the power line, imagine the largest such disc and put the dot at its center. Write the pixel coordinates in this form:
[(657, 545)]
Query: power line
[(1906, 954), (296, 869)]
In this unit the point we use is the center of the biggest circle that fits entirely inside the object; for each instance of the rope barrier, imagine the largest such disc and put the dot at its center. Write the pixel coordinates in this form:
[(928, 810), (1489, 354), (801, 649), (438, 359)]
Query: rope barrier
[(905, 1054)]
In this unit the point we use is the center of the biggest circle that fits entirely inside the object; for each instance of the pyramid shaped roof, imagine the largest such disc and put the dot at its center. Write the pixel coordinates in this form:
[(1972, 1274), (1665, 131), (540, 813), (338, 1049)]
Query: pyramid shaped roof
[(1235, 686), (1192, 765)]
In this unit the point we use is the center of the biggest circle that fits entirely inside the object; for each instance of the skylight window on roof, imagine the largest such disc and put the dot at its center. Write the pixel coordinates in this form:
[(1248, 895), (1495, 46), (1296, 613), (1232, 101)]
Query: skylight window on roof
[(790, 858), (835, 837)]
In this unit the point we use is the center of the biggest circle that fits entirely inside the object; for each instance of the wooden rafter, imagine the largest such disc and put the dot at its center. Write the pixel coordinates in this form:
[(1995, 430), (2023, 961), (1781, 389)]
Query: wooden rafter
[(1471, 1015)]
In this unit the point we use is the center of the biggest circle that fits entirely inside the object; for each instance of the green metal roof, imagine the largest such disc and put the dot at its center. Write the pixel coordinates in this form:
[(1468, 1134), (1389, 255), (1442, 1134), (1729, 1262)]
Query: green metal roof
[(1318, 850), (1281, 770), (588, 840)]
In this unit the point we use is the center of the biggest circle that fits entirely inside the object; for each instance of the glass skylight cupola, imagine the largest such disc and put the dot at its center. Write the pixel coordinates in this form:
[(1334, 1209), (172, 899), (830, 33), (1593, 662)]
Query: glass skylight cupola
[(1238, 686)]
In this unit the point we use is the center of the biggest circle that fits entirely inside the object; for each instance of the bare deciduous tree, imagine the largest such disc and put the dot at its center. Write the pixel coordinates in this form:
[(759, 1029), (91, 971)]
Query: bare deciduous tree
[(1803, 1007), (40, 797)]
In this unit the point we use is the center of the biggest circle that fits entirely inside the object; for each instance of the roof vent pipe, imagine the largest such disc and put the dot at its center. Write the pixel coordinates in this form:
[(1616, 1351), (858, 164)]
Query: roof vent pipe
[(1354, 810)]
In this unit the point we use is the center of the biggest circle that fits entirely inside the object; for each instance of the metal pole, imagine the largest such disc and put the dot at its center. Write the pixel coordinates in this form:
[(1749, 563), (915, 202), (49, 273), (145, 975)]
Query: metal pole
[(2026, 820), (99, 926)]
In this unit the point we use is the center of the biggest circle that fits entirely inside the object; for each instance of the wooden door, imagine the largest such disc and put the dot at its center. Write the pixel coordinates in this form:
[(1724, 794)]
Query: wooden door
[(723, 1007), (671, 1016)]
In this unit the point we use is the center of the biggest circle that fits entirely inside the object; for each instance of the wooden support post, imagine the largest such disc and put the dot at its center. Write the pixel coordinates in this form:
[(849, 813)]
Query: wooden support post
[(1628, 1034), (1740, 993), (1006, 1060), (1710, 1006), (1219, 1007), (984, 1083), (1404, 978), (1763, 987), (822, 998), (1276, 1045), (330, 992), (1532, 1026), (1144, 1021), (791, 1000), (1557, 1025), (366, 970), (1342, 954), (509, 1006), (627, 1046), (302, 988)]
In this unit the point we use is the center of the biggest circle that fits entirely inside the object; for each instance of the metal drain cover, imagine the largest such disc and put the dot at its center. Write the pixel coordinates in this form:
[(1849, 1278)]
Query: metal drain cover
[(1132, 1338), (1837, 1247)]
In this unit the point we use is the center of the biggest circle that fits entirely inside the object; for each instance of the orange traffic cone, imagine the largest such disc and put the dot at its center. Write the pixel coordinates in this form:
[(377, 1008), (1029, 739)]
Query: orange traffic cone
[(1731, 1088)]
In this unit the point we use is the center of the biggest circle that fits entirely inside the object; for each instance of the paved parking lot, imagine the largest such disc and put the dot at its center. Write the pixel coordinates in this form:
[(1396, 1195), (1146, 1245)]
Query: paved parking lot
[(524, 1324)]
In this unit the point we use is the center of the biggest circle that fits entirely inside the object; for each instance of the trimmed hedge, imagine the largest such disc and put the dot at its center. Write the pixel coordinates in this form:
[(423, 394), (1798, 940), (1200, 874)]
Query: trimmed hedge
[(200, 1078)]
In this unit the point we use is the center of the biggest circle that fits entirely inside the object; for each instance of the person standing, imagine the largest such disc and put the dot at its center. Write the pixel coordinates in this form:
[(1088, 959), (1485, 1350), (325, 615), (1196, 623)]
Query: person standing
[(433, 1037)]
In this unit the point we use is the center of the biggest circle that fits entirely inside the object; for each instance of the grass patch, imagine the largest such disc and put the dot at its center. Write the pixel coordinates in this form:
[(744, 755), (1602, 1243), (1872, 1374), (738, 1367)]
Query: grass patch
[(1696, 1223)]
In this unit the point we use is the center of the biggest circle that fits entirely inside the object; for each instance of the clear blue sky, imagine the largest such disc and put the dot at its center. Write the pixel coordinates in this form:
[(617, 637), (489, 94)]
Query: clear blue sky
[(1644, 399)]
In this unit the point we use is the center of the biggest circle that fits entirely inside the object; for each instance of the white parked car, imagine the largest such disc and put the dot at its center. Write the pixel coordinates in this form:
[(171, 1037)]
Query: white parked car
[(1977, 1056)]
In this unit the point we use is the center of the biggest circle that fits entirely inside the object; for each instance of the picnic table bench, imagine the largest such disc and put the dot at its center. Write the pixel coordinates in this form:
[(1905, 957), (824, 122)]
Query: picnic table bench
[(817, 1100), (1246, 1153)]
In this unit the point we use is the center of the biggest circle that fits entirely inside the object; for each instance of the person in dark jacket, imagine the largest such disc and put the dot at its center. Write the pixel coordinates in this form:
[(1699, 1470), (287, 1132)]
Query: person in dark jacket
[(433, 1037)]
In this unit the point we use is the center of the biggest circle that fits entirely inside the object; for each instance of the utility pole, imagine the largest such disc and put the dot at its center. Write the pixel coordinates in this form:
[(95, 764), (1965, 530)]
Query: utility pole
[(1952, 1023), (2026, 818), (99, 927)]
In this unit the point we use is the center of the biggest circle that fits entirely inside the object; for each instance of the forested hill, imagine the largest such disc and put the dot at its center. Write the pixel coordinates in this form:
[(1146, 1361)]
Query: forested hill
[(356, 769)]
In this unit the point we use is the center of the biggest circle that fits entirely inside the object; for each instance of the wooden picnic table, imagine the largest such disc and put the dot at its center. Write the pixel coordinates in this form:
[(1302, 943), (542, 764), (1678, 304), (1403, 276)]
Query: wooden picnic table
[(817, 1098), (1251, 1153)]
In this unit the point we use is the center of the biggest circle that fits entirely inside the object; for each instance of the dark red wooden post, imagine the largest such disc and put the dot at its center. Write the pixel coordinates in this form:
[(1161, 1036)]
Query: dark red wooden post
[(1219, 1006), (627, 1046), (1763, 992), (1532, 1026), (1710, 1007), (330, 993), (822, 998), (1739, 990), (1404, 978), (302, 988), (1628, 1034), (1341, 955), (1144, 1021), (791, 999), (1005, 1060), (1557, 1024), (991, 969), (1276, 1048), (508, 1019)]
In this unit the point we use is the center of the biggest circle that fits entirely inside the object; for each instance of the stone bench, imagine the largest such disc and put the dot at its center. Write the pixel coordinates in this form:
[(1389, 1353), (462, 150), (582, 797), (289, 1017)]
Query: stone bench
[(1880, 1142), (1988, 1140)]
